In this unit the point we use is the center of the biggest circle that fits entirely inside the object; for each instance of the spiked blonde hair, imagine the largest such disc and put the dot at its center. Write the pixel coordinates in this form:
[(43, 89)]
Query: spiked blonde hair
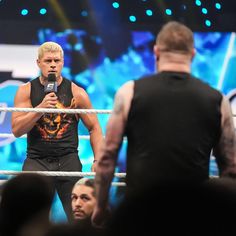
[(49, 47)]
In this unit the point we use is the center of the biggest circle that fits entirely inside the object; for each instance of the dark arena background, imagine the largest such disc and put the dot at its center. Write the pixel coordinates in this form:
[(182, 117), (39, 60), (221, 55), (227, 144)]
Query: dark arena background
[(106, 43)]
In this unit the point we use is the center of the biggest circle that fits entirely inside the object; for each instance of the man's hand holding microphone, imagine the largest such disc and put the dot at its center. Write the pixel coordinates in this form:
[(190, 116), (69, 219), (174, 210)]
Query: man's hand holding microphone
[(50, 89)]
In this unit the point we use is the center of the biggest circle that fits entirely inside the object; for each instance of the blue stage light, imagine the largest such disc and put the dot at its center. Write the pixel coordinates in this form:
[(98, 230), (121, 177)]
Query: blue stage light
[(208, 23), (24, 12), (204, 10), (218, 6), (43, 11), (132, 18), (84, 13), (149, 12), (198, 2), (115, 4), (168, 12)]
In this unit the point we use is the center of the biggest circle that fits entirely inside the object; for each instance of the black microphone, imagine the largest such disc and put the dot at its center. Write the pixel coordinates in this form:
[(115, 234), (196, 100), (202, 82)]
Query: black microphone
[(51, 84)]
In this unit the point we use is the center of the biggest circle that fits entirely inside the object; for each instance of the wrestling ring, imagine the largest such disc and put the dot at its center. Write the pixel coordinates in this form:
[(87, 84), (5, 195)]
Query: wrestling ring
[(81, 137)]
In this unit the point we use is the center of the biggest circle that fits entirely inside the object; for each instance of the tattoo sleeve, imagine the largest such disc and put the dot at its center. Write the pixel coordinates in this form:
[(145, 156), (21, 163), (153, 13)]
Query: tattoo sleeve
[(119, 105), (225, 151)]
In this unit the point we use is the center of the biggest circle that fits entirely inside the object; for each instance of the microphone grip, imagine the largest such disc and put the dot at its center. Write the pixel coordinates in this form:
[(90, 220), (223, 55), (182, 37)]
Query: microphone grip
[(50, 86)]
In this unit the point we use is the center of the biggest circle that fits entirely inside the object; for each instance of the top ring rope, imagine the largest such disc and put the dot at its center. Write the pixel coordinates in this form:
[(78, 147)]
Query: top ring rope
[(53, 110)]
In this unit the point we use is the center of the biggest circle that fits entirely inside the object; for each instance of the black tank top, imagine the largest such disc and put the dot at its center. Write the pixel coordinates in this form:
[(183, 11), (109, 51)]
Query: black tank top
[(55, 134), (173, 123)]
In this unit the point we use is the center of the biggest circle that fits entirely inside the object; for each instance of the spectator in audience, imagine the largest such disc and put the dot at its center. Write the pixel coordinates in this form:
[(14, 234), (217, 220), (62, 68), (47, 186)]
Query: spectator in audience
[(82, 202), (83, 199), (25, 205)]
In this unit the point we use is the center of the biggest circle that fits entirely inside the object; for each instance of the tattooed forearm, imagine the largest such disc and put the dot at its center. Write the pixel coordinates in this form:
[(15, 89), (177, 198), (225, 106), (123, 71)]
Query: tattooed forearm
[(119, 105), (225, 152), (227, 146), (228, 136)]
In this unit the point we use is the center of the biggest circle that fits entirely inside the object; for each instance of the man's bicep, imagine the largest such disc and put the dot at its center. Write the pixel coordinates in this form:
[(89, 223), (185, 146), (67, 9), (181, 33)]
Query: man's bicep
[(114, 133), (81, 97), (22, 97), (116, 122), (90, 120)]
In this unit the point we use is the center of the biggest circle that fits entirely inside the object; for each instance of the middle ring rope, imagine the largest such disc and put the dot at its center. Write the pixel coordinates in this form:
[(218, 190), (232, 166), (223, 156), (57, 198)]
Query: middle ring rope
[(58, 173), (8, 135), (55, 110)]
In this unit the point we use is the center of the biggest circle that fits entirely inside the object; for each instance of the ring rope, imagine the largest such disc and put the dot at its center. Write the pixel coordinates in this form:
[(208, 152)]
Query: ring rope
[(8, 135), (65, 173), (68, 111), (69, 173), (57, 173), (53, 110), (3, 181)]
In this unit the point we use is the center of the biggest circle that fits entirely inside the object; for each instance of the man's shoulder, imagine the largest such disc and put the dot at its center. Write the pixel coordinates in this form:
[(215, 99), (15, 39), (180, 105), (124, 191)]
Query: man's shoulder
[(67, 82), (149, 76), (25, 86), (34, 81), (204, 83), (23, 91), (66, 79), (146, 77)]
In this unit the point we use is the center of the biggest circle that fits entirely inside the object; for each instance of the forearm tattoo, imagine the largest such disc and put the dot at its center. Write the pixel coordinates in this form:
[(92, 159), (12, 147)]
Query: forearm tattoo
[(228, 139), (119, 105)]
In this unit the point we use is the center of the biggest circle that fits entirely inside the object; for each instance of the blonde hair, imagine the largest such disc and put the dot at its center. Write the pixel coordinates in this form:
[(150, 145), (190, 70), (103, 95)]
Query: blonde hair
[(49, 47), (87, 182)]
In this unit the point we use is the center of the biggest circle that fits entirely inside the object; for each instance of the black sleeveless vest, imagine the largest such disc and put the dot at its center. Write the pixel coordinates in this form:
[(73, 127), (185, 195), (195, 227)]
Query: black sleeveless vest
[(173, 123), (55, 134)]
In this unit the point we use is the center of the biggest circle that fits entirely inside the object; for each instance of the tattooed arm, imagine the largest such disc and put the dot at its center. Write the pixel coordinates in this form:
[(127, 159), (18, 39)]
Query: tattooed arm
[(109, 153), (225, 151)]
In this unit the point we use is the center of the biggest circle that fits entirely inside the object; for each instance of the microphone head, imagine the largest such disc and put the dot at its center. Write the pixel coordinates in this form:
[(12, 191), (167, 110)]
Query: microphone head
[(51, 84), (51, 77)]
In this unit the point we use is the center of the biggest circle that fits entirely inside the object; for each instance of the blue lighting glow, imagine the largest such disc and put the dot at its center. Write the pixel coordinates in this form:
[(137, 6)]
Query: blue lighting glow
[(115, 4), (208, 23), (43, 11), (168, 12), (204, 10), (149, 12), (218, 6), (84, 13), (183, 7), (198, 2), (132, 18), (24, 12)]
